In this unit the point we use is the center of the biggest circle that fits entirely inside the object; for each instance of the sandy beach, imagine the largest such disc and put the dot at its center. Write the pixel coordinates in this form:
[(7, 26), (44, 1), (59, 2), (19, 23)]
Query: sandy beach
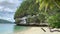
[(37, 30)]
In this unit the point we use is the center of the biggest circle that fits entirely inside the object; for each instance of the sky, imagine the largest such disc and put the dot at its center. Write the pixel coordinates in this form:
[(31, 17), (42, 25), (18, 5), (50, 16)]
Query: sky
[(9, 6)]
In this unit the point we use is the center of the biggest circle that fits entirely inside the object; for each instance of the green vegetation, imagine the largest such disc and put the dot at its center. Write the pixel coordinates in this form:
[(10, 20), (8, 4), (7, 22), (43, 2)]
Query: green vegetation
[(44, 11), (54, 21), (51, 9), (27, 8)]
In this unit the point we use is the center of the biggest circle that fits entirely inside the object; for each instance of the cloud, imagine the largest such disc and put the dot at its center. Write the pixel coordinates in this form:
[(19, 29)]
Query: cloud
[(2, 0), (10, 3), (14, 1), (8, 6), (8, 9), (2, 8), (9, 19), (7, 15)]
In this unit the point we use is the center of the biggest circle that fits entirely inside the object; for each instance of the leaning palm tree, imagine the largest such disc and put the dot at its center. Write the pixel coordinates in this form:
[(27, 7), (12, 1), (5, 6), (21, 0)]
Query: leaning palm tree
[(49, 5)]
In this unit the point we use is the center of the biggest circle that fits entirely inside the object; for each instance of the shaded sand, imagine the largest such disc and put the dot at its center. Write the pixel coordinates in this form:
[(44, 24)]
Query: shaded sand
[(37, 30)]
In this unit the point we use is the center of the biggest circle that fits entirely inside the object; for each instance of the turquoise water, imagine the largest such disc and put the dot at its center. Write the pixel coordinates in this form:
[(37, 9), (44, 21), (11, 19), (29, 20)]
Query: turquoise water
[(11, 28)]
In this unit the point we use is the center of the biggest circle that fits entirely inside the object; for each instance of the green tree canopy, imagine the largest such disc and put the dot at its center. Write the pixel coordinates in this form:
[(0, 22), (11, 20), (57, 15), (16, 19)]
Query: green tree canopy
[(33, 7), (27, 8), (42, 9)]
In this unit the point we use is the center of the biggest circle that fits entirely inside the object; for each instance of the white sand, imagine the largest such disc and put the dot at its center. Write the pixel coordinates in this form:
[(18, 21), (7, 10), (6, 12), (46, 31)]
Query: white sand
[(37, 30)]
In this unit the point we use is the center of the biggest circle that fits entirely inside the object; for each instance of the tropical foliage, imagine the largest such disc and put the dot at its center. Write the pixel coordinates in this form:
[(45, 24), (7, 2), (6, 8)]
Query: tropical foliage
[(51, 8), (54, 21), (44, 11), (27, 8)]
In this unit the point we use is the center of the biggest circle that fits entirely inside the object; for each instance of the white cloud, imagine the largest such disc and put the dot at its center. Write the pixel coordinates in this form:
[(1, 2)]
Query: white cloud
[(1, 8), (9, 6), (13, 1), (9, 19), (8, 9), (2, 0)]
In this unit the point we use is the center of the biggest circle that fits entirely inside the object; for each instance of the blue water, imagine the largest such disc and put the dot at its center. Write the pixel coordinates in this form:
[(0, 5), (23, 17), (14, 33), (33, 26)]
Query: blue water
[(11, 28)]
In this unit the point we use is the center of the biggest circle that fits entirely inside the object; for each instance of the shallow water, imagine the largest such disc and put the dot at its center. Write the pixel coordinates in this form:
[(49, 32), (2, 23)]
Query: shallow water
[(11, 28)]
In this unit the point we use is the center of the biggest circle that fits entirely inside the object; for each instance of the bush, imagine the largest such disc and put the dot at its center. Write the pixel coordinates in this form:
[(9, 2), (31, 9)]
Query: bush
[(54, 21)]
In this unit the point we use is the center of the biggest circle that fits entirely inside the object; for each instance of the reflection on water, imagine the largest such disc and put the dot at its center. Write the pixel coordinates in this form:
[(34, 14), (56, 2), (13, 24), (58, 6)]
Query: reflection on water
[(11, 28)]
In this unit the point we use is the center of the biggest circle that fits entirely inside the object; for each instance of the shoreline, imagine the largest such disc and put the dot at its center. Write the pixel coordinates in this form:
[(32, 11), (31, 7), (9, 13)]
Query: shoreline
[(37, 30)]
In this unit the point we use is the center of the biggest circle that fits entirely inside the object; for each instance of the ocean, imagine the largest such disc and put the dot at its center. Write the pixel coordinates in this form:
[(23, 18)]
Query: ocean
[(11, 28)]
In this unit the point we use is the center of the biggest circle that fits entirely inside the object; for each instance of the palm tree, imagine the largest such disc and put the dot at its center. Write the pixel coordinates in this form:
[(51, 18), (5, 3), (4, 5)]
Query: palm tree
[(49, 5), (51, 8)]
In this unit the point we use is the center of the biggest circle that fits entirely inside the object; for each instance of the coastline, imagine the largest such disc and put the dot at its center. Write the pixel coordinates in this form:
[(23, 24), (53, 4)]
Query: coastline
[(36, 30)]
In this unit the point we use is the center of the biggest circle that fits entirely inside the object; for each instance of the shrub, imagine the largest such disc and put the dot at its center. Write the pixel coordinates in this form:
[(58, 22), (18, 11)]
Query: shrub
[(54, 21)]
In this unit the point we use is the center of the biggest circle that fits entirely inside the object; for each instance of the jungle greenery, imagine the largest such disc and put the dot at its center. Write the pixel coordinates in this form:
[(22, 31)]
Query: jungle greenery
[(44, 11), (54, 20)]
